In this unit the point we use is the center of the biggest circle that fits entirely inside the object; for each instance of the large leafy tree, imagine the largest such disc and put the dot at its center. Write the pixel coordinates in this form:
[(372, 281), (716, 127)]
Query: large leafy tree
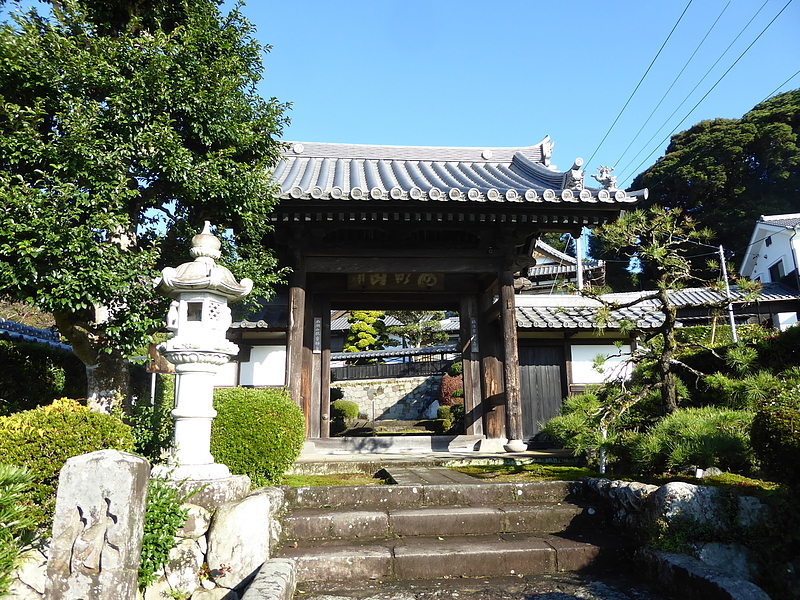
[(725, 173), (123, 126)]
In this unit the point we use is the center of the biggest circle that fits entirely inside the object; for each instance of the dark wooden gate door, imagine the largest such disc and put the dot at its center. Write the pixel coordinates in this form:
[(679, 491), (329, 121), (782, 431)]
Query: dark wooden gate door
[(541, 374)]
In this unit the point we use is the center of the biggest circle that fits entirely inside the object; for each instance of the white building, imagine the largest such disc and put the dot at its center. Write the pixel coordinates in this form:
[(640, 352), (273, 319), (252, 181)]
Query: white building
[(772, 256)]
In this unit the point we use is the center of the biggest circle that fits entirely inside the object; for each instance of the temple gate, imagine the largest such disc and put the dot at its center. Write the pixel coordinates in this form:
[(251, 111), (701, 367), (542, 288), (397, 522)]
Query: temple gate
[(419, 228)]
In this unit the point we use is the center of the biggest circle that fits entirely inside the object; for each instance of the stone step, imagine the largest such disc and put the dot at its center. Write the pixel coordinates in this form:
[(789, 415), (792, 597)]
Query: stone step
[(467, 556), (427, 475), (547, 517), (416, 496), (392, 444)]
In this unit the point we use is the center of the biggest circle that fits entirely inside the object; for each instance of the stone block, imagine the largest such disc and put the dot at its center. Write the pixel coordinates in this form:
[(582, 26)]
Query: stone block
[(345, 563), (242, 534), (275, 580), (212, 493), (197, 522), (97, 527), (359, 524), (180, 573), (217, 593), (30, 576)]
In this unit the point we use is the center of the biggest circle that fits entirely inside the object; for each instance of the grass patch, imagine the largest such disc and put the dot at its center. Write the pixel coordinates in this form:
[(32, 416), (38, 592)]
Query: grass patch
[(531, 472), (330, 479)]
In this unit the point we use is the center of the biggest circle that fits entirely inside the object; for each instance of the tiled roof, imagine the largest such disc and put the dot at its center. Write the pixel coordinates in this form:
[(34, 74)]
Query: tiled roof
[(322, 171), (17, 332), (342, 324), (447, 349), (789, 220), (577, 312)]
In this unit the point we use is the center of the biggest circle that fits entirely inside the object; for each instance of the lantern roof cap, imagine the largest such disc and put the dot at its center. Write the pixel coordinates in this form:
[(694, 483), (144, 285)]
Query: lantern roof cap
[(203, 274)]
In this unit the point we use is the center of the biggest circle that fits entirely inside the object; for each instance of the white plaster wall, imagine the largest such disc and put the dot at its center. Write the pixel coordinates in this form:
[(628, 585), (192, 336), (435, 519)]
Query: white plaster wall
[(783, 321), (226, 376), (780, 249), (583, 360), (267, 366)]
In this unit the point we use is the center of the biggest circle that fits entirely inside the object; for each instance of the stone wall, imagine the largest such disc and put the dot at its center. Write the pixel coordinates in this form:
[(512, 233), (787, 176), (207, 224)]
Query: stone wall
[(404, 399), (638, 508), (228, 535)]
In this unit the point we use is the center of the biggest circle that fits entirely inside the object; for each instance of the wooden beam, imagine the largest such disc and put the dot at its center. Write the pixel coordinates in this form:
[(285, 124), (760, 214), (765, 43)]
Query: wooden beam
[(413, 264)]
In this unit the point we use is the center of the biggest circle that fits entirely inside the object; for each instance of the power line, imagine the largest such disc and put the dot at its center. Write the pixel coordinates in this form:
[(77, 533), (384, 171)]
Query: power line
[(640, 82), (775, 91), (719, 80), (697, 85), (664, 97)]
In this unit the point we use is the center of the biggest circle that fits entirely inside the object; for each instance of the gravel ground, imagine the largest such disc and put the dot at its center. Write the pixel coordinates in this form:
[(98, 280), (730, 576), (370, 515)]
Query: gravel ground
[(563, 586)]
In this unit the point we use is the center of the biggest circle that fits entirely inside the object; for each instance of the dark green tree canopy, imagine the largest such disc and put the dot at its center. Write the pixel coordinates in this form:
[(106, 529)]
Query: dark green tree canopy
[(418, 328), (123, 126), (725, 173)]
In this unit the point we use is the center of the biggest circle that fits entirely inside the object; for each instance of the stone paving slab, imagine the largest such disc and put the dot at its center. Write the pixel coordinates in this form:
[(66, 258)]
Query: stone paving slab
[(428, 475)]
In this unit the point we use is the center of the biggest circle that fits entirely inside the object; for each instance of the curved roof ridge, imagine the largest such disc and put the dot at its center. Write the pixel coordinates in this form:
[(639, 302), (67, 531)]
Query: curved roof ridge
[(427, 153)]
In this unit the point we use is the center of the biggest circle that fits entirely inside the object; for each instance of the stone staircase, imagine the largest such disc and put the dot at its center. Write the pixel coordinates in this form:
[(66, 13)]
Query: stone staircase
[(438, 523)]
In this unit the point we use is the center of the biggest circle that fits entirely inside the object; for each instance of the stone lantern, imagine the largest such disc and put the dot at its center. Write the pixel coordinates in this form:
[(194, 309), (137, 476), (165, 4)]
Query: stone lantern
[(198, 318)]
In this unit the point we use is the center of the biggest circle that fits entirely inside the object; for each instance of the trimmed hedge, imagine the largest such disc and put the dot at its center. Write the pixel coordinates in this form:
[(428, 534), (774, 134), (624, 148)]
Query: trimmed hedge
[(42, 440), (344, 409), (257, 432)]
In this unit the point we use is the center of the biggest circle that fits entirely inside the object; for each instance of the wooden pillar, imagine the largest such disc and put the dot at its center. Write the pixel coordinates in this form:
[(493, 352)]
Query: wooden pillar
[(308, 373), (324, 418), (470, 360), (294, 334), (508, 321), (491, 372)]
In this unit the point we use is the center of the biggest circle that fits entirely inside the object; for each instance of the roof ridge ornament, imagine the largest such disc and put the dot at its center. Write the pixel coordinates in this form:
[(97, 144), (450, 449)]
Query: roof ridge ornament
[(573, 179), (606, 179)]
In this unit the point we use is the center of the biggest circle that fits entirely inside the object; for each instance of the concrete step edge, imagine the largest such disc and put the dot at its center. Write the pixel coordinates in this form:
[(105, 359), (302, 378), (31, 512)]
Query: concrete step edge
[(477, 557), (301, 524), (409, 496)]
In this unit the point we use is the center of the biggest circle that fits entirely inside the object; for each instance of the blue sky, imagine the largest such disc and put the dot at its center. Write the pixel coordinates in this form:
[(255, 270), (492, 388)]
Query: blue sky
[(464, 73)]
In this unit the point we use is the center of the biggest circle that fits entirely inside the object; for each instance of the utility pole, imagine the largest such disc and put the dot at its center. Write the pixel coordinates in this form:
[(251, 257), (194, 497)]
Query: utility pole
[(728, 294)]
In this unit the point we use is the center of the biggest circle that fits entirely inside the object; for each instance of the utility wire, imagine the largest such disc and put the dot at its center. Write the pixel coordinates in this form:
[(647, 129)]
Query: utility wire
[(775, 91), (758, 37), (640, 82), (697, 85), (678, 76)]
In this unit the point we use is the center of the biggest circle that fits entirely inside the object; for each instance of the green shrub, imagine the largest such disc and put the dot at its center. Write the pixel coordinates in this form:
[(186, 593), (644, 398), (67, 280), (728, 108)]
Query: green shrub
[(164, 515), (457, 368), (257, 432), (450, 419), (344, 409), (17, 524), (35, 374), (42, 440), (153, 424), (701, 437), (775, 436)]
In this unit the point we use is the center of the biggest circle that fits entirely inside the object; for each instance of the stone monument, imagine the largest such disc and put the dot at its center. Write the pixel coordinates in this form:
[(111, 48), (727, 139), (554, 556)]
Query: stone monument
[(198, 318), (97, 527)]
